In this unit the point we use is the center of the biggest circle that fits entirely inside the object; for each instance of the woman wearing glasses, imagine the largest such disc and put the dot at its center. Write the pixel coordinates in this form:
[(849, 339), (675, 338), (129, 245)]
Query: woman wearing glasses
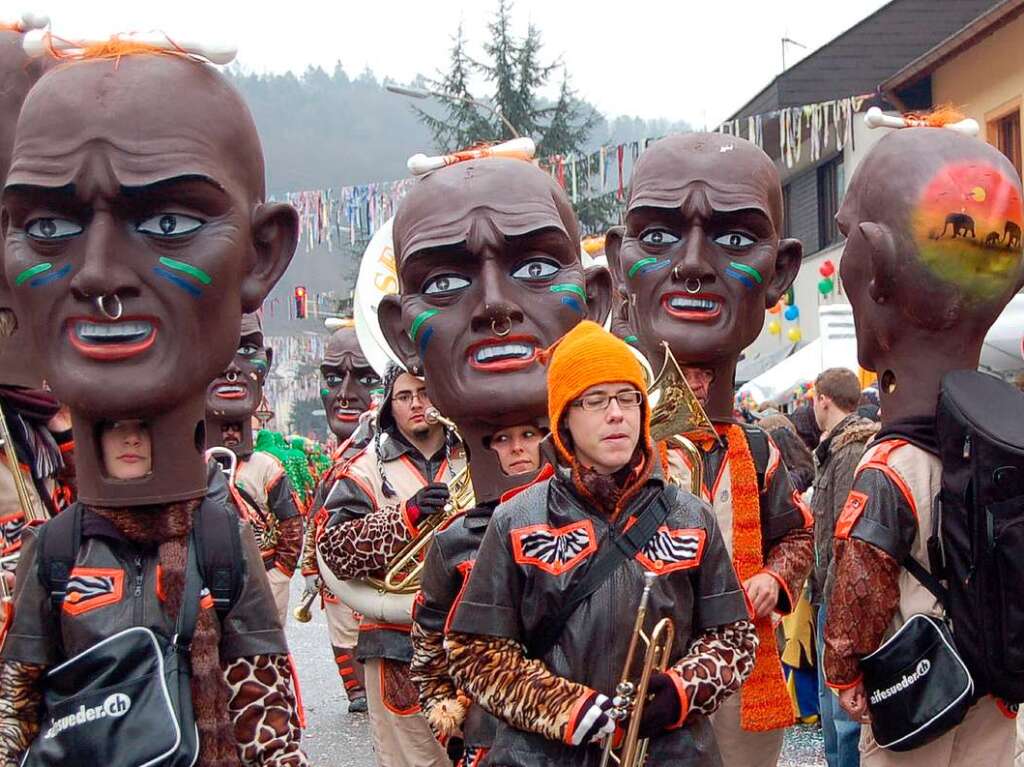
[(547, 671)]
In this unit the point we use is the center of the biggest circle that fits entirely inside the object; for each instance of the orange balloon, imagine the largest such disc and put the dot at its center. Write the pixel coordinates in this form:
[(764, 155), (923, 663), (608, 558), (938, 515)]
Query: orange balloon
[(776, 309)]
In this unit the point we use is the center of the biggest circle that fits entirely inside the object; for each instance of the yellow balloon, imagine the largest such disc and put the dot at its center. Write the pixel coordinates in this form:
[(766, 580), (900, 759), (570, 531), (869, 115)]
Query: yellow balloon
[(794, 334), (774, 328)]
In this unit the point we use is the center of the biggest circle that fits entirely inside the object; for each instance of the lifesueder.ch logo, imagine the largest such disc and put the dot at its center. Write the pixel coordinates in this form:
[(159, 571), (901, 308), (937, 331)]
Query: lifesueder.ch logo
[(908, 679), (115, 705)]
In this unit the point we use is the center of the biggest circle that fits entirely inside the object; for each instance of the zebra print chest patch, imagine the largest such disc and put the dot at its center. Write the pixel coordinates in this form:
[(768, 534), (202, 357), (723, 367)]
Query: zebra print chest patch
[(555, 550), (90, 588), (671, 550)]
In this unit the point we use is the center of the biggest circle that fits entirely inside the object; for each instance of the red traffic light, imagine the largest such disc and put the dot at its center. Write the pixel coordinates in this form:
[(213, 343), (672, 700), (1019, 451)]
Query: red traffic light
[(300, 292), (300, 302)]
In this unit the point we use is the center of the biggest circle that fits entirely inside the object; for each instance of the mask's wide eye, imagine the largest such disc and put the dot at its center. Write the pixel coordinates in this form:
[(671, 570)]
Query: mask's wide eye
[(734, 240), (333, 380), (445, 283), (536, 269), (169, 225), (369, 381), (658, 237), (52, 228), (247, 350)]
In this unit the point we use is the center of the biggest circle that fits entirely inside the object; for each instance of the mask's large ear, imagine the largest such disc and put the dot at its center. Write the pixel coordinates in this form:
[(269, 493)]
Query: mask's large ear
[(270, 359), (612, 245), (787, 264), (882, 253), (275, 233), (599, 293), (389, 315)]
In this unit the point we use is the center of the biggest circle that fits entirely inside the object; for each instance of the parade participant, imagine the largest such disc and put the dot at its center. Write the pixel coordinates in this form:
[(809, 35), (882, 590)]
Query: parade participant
[(922, 304), (136, 236), (41, 433), (348, 386), (374, 508), (264, 494), (466, 729), (702, 258), (844, 436), (488, 260), (553, 705)]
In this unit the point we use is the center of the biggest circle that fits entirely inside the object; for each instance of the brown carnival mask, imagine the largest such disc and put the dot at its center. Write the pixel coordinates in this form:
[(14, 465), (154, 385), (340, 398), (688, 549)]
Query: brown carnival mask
[(17, 74), (933, 254), (348, 382), (136, 237), (235, 395), (700, 255), (489, 274)]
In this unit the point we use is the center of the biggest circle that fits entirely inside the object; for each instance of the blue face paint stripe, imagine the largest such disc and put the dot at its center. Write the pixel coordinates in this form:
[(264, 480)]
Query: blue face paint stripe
[(46, 279), (740, 277), (425, 339), (573, 304), (656, 266), (188, 287)]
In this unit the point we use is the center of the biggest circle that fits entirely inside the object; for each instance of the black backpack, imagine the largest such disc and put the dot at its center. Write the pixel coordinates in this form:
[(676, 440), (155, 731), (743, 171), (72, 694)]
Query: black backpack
[(218, 543), (977, 544)]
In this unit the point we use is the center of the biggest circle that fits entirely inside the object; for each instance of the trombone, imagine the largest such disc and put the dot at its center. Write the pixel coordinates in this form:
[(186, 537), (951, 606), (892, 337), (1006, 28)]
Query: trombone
[(631, 698), (404, 570)]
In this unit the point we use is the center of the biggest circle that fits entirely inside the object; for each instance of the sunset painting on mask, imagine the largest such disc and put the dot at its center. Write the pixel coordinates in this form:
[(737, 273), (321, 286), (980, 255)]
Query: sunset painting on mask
[(968, 227)]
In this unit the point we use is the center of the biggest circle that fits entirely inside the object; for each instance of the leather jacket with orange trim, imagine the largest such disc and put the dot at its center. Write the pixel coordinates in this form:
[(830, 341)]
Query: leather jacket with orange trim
[(537, 546), (273, 508)]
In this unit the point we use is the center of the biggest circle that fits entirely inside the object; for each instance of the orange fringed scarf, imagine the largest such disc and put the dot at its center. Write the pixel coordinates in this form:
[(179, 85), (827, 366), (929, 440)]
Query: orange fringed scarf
[(764, 699)]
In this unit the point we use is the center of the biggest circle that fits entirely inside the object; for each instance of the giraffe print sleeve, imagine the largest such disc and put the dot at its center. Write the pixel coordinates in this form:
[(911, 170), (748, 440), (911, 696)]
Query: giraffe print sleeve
[(363, 547), (20, 698), (718, 662), (264, 712)]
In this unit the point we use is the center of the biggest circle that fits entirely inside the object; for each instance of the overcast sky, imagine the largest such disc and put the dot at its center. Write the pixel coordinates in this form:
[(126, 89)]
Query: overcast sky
[(679, 59)]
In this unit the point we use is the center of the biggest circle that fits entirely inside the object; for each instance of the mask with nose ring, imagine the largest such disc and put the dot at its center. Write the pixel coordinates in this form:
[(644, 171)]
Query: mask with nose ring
[(701, 256), (234, 396), (488, 261)]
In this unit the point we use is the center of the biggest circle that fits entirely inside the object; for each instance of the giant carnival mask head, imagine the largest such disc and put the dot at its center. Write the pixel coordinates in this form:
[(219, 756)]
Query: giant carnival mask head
[(489, 272), (701, 256), (234, 396), (933, 254), (348, 382), (17, 74), (136, 236)]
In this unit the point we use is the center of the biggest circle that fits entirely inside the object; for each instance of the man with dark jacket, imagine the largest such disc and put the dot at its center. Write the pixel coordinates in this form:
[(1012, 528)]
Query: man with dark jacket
[(844, 437)]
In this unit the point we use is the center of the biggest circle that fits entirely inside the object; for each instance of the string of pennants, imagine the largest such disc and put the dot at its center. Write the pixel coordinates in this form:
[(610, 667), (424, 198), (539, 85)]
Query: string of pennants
[(350, 214)]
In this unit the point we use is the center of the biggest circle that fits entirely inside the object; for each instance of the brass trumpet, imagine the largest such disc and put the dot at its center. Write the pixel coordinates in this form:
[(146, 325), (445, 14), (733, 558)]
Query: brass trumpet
[(303, 611), (404, 571), (631, 697), (675, 411)]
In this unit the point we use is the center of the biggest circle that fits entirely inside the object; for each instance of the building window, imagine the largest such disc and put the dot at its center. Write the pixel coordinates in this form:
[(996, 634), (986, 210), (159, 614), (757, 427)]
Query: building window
[(1004, 132), (831, 185)]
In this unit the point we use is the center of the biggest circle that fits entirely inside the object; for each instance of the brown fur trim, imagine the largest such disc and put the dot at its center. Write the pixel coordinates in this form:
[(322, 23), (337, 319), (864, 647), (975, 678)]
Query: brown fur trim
[(446, 717)]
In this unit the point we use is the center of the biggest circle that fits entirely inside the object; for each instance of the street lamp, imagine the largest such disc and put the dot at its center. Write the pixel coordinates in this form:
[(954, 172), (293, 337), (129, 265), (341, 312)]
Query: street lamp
[(422, 93)]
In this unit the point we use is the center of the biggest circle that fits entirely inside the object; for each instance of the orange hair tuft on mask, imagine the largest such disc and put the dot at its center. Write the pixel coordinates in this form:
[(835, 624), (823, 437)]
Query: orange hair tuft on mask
[(114, 48), (939, 117)]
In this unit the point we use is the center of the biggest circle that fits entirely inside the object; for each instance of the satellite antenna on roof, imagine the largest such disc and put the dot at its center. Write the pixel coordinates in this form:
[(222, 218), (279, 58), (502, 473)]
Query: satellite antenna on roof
[(791, 42)]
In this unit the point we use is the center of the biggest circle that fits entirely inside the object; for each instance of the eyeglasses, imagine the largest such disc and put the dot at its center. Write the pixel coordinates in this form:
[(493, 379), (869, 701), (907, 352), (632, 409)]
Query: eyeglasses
[(406, 397), (626, 399)]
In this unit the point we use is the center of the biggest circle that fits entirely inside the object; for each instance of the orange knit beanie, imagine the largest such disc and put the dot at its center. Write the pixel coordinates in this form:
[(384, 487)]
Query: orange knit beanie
[(586, 356)]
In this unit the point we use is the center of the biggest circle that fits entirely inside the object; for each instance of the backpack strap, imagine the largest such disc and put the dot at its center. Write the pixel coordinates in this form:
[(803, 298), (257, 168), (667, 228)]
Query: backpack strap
[(219, 551), (760, 450), (59, 540)]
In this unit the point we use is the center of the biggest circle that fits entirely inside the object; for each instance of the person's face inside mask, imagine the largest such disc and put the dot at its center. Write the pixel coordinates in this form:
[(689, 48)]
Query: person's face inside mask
[(518, 448), (231, 434), (127, 451)]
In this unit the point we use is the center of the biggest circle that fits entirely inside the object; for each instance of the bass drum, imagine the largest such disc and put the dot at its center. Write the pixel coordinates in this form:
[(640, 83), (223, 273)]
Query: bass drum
[(374, 605)]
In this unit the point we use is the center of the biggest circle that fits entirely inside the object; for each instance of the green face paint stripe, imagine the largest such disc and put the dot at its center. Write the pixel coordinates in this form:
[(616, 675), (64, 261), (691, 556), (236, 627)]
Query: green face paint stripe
[(192, 271), (640, 265), (324, 392), (748, 270), (569, 288), (418, 322), (31, 272)]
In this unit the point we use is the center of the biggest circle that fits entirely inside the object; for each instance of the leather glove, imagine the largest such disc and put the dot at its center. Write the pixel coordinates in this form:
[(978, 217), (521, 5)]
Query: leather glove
[(663, 707), (428, 500), (593, 721)]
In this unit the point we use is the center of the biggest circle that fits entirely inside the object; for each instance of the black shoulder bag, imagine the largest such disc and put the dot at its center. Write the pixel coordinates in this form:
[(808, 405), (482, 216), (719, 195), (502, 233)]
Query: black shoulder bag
[(127, 700), (918, 687), (625, 547)]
